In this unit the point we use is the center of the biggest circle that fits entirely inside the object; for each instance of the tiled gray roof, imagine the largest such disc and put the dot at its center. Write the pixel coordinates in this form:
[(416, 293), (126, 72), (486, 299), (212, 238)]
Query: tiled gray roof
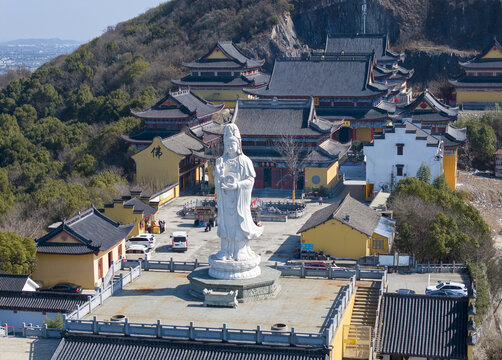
[(360, 43), (94, 230), (237, 58), (77, 347), (413, 110), (10, 282), (40, 301), (424, 326), (478, 62), (139, 205), (213, 81), (454, 136), (182, 144), (183, 104), (349, 212), (305, 78), (279, 118)]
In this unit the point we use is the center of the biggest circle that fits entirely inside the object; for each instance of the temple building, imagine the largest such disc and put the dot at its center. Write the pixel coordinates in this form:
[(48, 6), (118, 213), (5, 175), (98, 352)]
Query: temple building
[(429, 113), (279, 134), (171, 162), (386, 67), (481, 85), (178, 110), (342, 87), (221, 74)]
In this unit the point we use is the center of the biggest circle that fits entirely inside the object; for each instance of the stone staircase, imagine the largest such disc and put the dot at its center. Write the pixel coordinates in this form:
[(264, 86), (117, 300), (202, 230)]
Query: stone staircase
[(365, 306), (360, 333)]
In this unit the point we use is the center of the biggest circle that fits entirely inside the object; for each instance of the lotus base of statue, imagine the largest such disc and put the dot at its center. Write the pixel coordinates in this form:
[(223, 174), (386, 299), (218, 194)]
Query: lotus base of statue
[(231, 269)]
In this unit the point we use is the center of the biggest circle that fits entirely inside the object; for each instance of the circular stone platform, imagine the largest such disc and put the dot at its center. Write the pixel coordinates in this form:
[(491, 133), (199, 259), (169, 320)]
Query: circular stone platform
[(264, 286)]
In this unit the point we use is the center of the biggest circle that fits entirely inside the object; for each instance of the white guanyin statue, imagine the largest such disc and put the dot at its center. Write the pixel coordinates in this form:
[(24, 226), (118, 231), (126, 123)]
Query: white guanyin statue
[(234, 179)]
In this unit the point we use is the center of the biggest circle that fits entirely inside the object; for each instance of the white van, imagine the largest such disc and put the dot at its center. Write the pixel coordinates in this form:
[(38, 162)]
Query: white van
[(180, 242), (144, 239), (138, 252)]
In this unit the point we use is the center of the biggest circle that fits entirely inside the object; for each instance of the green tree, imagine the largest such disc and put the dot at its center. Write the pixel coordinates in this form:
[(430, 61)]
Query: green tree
[(482, 142), (86, 165), (424, 173), (26, 115), (17, 254), (54, 324), (440, 183)]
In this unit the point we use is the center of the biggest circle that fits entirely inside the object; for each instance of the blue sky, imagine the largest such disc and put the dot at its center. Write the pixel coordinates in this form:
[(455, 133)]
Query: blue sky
[(65, 19)]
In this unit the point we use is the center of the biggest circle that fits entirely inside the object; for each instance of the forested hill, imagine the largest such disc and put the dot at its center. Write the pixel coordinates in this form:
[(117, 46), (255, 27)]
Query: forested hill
[(59, 128)]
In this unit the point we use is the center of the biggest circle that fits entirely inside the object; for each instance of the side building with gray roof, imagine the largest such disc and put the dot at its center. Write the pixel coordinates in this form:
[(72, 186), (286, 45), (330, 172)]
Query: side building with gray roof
[(80, 250)]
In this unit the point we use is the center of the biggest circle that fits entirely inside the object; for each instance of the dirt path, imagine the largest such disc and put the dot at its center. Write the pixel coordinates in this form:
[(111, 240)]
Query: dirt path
[(486, 196)]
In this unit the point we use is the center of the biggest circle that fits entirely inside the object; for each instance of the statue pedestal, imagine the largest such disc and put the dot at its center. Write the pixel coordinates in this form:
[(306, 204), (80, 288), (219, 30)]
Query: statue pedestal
[(263, 286), (231, 269)]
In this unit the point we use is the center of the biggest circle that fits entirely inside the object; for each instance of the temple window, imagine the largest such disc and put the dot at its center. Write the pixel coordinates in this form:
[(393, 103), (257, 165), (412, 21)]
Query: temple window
[(399, 170), (400, 149)]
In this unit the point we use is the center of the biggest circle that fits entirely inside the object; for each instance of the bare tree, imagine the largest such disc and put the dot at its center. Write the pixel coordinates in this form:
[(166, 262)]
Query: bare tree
[(293, 153)]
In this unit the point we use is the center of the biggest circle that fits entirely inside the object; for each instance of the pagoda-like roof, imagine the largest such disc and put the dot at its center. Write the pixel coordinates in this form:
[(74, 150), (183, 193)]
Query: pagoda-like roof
[(179, 105), (454, 136), (427, 107), (233, 58), (280, 117), (91, 232), (252, 80), (361, 43), (183, 144), (483, 61), (478, 82), (337, 76)]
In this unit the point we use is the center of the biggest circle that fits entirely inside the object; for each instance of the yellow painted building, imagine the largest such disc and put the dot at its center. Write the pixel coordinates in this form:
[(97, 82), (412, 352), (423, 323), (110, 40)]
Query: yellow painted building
[(349, 229), (480, 86), (453, 139), (221, 74), (80, 250), (170, 161), (321, 176), (130, 210)]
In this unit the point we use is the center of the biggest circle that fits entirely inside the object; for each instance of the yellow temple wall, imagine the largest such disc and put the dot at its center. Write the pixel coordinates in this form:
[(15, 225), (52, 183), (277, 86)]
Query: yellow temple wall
[(217, 54), (56, 268), (163, 170), (337, 239), (125, 216), (450, 170), (363, 134), (478, 96), (218, 96), (337, 343)]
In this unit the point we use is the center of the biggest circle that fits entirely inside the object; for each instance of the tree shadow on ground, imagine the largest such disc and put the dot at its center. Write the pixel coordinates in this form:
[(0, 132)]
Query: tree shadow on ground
[(288, 249)]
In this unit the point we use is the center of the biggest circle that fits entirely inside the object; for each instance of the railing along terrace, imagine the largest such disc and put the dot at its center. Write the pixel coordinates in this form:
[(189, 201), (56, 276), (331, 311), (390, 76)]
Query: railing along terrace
[(169, 265)]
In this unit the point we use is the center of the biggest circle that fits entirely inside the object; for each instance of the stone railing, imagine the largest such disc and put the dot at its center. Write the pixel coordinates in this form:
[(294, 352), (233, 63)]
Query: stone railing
[(330, 272), (169, 265), (438, 268)]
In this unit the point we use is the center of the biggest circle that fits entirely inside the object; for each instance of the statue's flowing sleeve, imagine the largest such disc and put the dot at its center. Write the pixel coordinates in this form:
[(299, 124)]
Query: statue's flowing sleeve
[(245, 186)]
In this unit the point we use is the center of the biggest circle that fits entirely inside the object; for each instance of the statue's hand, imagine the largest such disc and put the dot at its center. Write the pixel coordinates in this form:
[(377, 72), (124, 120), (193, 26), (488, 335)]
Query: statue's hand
[(227, 186)]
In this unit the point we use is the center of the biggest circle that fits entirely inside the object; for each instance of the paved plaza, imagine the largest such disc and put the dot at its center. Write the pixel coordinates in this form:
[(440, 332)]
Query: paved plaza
[(279, 241), (159, 295)]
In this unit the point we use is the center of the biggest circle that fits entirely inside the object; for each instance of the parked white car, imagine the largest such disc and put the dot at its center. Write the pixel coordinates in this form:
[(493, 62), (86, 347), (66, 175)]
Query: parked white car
[(143, 239), (138, 252), (448, 289), (180, 241)]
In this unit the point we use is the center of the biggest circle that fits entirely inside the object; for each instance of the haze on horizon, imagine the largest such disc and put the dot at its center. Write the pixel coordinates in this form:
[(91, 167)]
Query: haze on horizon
[(65, 19)]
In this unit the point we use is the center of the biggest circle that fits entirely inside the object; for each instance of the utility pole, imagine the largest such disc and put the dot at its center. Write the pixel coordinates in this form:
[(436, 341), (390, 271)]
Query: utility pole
[(364, 13)]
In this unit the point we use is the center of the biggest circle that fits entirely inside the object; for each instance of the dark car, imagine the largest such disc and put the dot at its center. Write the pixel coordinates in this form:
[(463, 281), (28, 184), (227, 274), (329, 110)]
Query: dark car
[(405, 291), (65, 287)]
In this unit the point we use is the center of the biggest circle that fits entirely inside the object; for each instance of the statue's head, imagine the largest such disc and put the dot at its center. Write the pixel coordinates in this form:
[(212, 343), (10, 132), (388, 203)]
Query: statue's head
[(232, 140)]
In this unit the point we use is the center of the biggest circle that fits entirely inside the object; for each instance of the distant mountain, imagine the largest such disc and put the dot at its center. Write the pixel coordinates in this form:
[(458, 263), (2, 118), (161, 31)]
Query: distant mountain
[(41, 42)]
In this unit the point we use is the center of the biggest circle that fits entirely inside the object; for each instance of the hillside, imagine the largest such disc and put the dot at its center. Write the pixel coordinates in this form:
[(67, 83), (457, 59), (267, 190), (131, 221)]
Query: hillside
[(59, 129)]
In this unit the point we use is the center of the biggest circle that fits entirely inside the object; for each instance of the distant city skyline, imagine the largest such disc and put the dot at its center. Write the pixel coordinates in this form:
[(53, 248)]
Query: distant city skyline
[(66, 19)]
